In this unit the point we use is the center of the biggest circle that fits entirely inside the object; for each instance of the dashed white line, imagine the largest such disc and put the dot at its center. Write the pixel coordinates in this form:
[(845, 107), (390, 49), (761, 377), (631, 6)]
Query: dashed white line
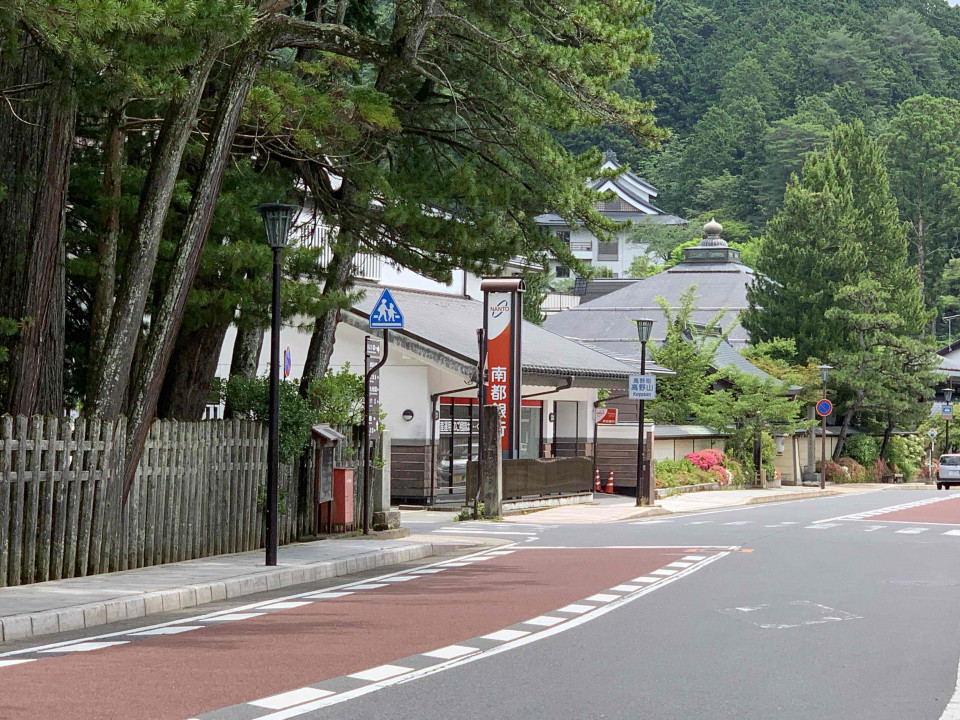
[(230, 617), (291, 698), (664, 572), (450, 652), (625, 588), (912, 531), (505, 635), (380, 673), (172, 630), (86, 646), (544, 621), (603, 597), (8, 663), (287, 605), (576, 609)]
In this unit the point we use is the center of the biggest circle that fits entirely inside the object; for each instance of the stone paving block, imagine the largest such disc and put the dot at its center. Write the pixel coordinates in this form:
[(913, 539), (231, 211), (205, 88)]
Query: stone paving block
[(152, 603), (218, 591), (17, 627), (45, 623), (94, 614), (116, 610), (273, 581), (234, 587), (260, 583), (136, 607), (301, 576), (188, 597), (204, 594), (170, 600), (70, 619)]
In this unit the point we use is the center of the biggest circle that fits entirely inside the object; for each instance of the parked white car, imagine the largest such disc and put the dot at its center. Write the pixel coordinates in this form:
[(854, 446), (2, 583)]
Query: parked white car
[(949, 471)]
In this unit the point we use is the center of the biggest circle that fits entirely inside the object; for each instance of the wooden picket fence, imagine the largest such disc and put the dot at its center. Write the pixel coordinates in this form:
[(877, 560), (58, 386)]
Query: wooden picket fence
[(198, 491)]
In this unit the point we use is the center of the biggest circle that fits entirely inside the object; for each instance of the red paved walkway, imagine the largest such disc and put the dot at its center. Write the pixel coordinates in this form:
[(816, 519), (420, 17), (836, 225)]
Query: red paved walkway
[(946, 512), (183, 675)]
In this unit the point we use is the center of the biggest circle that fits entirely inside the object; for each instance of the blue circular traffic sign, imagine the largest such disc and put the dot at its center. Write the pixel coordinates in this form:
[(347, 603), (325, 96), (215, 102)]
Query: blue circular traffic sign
[(824, 408), (287, 362)]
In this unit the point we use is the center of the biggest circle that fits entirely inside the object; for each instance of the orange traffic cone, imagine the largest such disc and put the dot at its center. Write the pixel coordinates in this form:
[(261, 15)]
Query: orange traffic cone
[(610, 483), (597, 487)]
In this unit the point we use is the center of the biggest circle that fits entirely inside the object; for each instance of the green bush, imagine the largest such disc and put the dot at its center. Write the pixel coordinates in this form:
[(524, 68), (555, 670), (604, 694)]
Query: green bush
[(856, 473), (338, 397), (835, 473), (905, 454), (862, 448), (674, 473), (251, 399)]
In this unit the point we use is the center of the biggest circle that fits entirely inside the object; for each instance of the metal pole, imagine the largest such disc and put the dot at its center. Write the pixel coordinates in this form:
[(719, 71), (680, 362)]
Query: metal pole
[(482, 400), (823, 442), (366, 433), (946, 441), (273, 442), (643, 483)]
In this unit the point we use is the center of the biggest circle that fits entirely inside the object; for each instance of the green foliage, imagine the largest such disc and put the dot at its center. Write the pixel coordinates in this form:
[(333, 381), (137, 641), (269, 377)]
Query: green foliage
[(905, 454), (337, 397), (862, 448), (676, 473), (251, 399), (642, 267), (662, 239), (689, 353), (537, 287)]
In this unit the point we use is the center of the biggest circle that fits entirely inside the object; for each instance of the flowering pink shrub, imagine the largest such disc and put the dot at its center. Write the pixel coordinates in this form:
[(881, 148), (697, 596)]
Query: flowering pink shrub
[(706, 459), (722, 475)]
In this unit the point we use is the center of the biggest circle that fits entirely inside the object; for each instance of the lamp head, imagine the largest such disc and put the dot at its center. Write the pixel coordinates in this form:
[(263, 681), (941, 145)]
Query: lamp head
[(644, 328), (947, 395), (825, 372), (277, 219)]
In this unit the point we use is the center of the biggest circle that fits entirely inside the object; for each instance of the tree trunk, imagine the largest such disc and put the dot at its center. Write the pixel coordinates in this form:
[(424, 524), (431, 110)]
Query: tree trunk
[(887, 433), (190, 374), (36, 137), (109, 387), (845, 426), (108, 238), (246, 353), (246, 358), (339, 279), (165, 324)]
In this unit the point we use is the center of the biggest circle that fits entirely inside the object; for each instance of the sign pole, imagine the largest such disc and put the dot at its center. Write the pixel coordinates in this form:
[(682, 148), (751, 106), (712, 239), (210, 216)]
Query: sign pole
[(367, 435)]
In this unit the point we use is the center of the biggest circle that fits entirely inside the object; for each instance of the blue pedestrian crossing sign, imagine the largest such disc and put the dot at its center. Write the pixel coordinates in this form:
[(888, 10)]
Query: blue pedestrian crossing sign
[(386, 313)]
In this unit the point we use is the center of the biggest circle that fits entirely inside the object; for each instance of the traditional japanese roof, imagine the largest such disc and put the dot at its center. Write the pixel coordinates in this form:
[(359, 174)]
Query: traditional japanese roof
[(634, 198), (447, 324), (721, 281)]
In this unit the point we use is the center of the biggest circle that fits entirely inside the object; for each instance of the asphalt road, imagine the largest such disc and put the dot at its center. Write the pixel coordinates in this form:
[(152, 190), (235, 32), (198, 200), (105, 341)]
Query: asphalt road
[(829, 608)]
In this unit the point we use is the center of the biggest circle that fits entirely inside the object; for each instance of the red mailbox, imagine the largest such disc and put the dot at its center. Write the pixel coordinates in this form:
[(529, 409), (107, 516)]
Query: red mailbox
[(343, 496)]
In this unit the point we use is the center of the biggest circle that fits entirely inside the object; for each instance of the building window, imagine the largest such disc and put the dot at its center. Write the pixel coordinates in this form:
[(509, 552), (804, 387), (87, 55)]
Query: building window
[(564, 236), (562, 272), (608, 251)]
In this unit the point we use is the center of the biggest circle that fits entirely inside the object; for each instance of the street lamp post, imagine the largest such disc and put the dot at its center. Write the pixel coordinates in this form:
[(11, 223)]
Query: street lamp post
[(947, 397), (277, 219), (932, 433), (644, 491), (824, 377)]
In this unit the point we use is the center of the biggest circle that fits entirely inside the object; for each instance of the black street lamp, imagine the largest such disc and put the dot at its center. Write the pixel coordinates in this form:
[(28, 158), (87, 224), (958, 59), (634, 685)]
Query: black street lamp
[(824, 377), (947, 397), (277, 219), (645, 493)]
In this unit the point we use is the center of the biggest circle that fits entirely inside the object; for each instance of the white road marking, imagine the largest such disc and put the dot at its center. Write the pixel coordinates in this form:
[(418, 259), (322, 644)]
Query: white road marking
[(912, 531), (501, 552), (324, 595), (874, 528), (952, 710), (646, 579), (663, 571), (824, 526), (625, 588), (8, 663), (400, 578), (544, 621), (702, 522), (230, 617), (380, 673), (952, 532), (679, 564), (86, 646), (450, 652), (576, 609), (601, 597), (505, 635), (739, 522), (695, 558), (287, 605), (174, 630), (368, 586), (884, 511), (505, 647), (427, 571), (291, 698), (485, 532)]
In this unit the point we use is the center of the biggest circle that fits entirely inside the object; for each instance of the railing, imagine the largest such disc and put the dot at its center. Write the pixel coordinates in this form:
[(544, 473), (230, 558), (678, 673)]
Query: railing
[(365, 265), (557, 302), (581, 246)]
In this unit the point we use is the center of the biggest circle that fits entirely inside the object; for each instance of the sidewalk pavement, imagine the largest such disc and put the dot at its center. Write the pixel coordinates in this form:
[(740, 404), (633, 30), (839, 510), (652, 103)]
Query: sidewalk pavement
[(613, 508), (62, 605)]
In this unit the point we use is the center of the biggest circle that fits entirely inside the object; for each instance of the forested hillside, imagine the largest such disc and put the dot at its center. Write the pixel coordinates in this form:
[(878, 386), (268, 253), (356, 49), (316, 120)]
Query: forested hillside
[(749, 87)]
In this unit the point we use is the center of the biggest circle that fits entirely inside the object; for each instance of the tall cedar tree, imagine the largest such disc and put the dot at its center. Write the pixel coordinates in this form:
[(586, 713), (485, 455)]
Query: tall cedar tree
[(833, 274)]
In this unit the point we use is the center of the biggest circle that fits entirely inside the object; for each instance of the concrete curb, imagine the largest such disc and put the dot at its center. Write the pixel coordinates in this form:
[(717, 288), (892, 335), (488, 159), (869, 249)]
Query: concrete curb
[(48, 622), (783, 497)]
